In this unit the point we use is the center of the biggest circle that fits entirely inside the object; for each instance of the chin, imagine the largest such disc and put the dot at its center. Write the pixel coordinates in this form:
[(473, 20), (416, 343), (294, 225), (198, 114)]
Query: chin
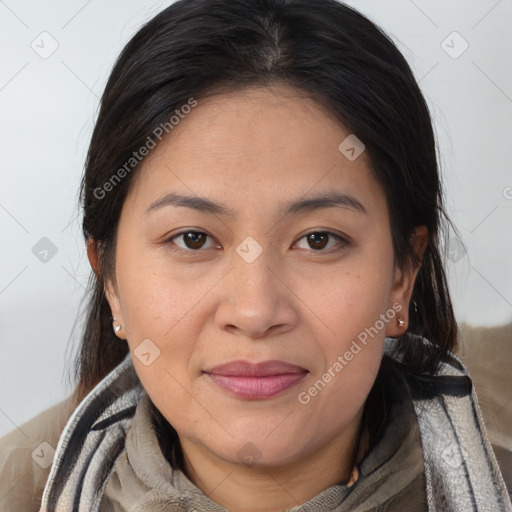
[(260, 453)]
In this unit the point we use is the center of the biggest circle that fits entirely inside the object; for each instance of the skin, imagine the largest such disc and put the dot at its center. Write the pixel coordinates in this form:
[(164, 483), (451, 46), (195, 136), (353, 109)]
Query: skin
[(253, 150)]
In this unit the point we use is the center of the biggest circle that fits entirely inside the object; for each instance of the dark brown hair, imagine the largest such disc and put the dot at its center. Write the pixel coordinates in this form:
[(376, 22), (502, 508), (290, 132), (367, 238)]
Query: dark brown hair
[(323, 47)]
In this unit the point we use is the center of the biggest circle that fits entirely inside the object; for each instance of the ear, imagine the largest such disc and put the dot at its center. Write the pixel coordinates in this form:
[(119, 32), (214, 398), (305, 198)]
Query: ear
[(403, 284), (92, 255), (110, 290)]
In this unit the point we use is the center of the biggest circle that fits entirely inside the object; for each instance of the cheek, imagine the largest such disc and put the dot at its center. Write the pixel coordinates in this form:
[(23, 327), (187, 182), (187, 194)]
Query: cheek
[(352, 300), (352, 352), (155, 295), (356, 313), (159, 311)]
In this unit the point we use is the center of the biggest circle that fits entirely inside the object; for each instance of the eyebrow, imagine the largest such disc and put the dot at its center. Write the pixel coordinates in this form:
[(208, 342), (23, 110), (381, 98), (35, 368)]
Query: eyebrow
[(202, 204)]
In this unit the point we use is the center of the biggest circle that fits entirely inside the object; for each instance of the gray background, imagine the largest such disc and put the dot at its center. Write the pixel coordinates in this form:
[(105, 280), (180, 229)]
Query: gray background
[(48, 106)]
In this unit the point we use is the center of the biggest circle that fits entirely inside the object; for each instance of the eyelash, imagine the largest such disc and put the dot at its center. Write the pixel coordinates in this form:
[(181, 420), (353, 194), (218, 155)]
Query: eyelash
[(170, 241)]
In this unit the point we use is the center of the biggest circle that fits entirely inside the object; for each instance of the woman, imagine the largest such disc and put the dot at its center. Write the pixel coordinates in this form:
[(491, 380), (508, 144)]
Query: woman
[(270, 327)]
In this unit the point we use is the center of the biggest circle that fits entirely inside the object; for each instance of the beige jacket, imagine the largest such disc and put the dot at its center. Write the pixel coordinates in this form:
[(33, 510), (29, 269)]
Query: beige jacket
[(26, 454)]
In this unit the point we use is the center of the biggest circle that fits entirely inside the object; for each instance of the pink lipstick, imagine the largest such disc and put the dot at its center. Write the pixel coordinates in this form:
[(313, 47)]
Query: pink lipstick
[(256, 381)]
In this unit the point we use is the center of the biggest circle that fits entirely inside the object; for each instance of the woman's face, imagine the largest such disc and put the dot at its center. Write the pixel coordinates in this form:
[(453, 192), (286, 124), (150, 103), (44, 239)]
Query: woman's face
[(248, 285)]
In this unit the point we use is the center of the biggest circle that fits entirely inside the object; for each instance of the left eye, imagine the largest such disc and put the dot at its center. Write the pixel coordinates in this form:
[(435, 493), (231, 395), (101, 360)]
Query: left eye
[(318, 240)]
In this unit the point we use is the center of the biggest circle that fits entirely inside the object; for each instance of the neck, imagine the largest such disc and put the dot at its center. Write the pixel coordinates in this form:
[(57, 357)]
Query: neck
[(275, 488)]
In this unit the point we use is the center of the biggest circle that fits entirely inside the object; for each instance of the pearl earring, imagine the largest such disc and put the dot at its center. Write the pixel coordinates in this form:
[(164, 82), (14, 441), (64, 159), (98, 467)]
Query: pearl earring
[(401, 322), (117, 328)]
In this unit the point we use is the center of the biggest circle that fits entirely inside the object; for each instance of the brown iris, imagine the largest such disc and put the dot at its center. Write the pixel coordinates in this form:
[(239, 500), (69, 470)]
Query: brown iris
[(194, 239), (314, 238)]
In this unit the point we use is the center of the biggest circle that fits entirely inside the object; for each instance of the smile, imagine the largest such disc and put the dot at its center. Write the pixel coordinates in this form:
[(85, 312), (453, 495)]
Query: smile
[(256, 381)]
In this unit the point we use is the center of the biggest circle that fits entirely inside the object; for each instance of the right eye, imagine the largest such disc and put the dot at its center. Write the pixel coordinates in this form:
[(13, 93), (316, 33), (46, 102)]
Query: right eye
[(192, 241)]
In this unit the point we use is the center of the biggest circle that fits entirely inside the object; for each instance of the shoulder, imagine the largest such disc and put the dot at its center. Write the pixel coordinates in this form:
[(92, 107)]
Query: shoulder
[(26, 454), (487, 352), (470, 387)]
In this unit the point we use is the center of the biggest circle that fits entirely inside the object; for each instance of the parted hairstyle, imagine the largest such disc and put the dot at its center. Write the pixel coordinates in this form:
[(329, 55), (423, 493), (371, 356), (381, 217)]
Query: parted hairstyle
[(325, 48)]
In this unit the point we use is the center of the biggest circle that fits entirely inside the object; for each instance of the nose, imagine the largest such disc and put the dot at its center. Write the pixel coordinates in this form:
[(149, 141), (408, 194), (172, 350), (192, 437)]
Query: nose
[(256, 300)]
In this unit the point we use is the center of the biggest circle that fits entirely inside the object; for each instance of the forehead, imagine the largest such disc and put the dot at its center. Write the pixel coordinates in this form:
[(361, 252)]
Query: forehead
[(257, 121), (256, 143)]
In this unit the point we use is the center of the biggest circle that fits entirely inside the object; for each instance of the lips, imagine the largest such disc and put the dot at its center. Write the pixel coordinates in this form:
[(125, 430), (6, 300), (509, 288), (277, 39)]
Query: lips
[(256, 381)]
